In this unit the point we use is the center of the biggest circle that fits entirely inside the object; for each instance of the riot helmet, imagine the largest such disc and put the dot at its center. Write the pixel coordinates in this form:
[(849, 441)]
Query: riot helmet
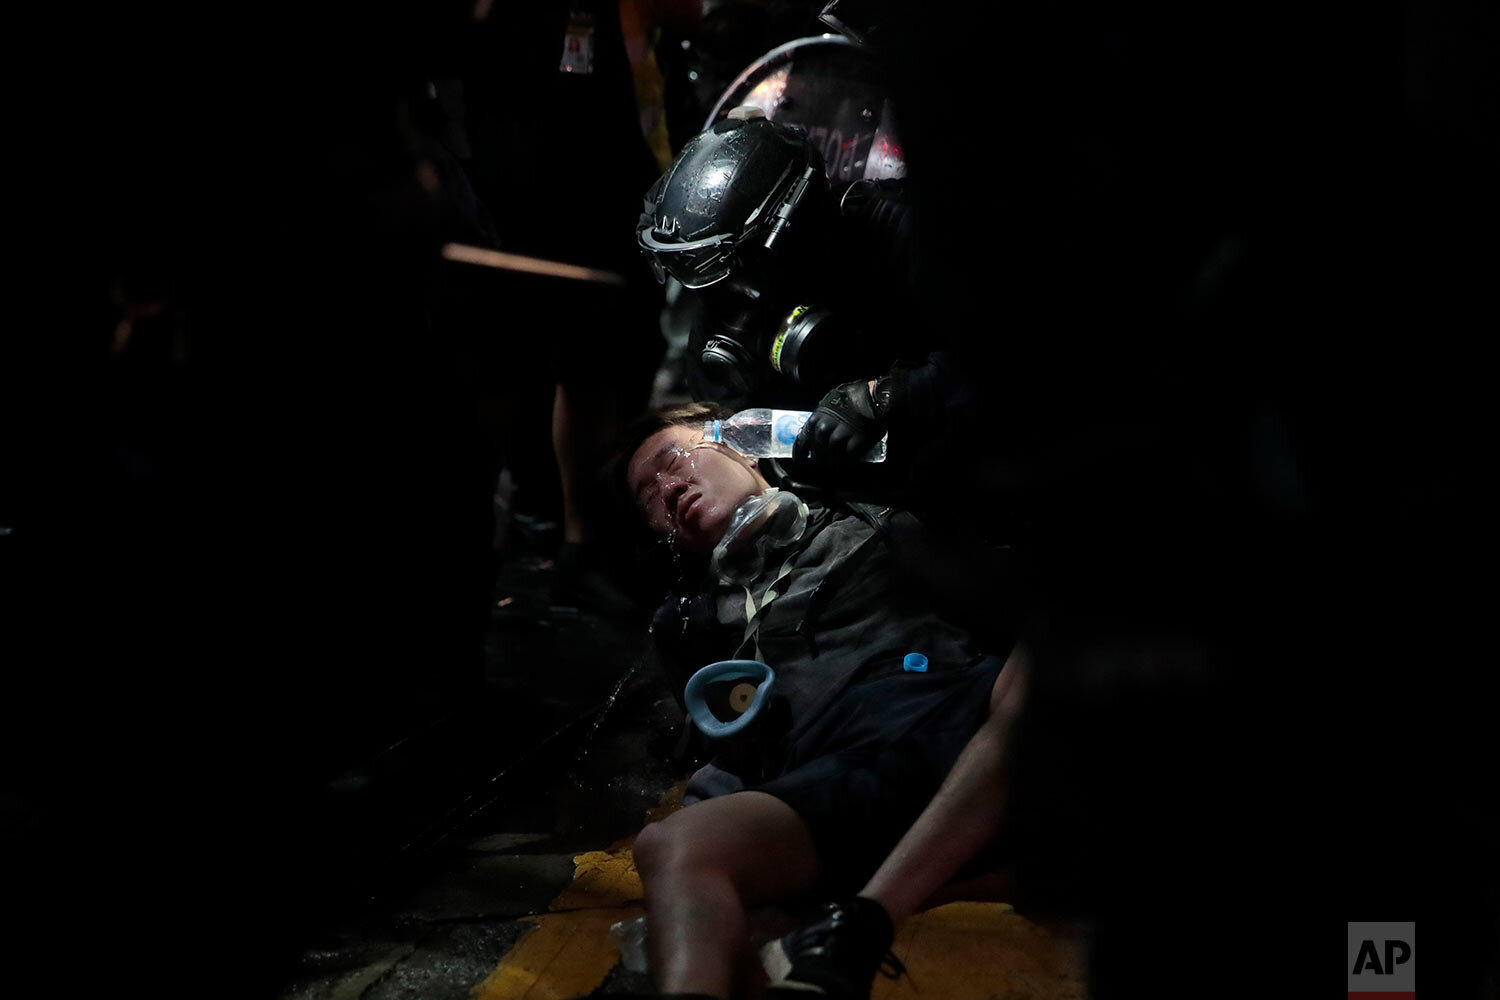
[(730, 199)]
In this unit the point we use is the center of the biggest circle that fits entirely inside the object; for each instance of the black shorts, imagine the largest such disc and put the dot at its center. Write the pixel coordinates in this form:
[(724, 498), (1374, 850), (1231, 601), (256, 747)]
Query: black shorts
[(869, 766)]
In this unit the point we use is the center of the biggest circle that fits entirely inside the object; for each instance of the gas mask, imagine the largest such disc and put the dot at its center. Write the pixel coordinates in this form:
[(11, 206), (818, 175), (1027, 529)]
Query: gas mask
[(741, 217), (762, 335), (774, 317)]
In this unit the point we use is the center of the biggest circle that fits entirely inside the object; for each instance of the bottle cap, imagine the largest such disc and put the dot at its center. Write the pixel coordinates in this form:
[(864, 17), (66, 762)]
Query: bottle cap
[(745, 112), (915, 662)]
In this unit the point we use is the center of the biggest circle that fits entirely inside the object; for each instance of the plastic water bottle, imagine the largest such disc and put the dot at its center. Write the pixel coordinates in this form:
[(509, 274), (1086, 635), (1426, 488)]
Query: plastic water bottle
[(766, 433), (630, 937)]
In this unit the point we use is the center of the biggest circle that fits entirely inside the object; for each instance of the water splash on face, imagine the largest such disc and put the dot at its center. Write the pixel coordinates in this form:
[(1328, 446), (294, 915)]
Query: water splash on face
[(669, 510), (683, 466)]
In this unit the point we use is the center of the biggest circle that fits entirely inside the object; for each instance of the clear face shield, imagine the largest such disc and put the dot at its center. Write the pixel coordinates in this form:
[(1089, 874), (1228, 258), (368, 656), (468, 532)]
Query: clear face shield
[(694, 263)]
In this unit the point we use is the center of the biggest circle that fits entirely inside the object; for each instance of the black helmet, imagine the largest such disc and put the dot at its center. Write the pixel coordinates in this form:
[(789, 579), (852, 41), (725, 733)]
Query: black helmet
[(733, 188)]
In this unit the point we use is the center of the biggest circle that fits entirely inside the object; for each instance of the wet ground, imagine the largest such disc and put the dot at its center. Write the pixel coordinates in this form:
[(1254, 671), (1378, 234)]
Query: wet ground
[(574, 771), (495, 840), (503, 854)]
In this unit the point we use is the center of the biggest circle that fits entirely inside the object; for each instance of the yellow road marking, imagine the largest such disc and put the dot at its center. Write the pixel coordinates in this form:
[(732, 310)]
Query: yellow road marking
[(570, 952), (976, 951), (601, 878), (566, 956), (961, 951)]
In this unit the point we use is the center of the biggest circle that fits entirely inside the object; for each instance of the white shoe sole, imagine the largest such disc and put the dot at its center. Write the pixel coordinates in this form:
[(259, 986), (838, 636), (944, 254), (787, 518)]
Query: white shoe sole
[(778, 965)]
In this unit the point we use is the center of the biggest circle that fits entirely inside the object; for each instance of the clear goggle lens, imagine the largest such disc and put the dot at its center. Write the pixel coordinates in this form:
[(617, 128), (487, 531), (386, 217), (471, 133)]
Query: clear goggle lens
[(696, 264)]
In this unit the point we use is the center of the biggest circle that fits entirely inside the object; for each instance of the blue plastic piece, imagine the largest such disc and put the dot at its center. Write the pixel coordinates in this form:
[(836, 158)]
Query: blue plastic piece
[(727, 670), (915, 662)]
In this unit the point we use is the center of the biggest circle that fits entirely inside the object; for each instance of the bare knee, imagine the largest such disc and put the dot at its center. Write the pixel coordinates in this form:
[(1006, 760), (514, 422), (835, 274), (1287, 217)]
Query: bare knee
[(732, 837), (654, 846), (673, 845)]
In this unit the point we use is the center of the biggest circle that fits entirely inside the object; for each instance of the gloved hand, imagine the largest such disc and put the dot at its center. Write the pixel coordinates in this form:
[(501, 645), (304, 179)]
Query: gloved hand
[(846, 424)]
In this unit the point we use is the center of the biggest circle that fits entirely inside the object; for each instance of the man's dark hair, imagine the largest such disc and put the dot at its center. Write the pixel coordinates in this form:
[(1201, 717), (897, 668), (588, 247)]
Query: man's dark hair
[(626, 443), (618, 515)]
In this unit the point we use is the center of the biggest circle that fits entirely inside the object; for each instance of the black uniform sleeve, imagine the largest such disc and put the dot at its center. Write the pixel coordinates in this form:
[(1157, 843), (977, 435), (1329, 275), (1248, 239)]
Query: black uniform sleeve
[(927, 399)]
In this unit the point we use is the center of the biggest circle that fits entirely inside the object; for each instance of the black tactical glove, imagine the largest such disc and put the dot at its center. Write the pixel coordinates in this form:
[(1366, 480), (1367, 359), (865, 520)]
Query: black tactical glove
[(849, 420)]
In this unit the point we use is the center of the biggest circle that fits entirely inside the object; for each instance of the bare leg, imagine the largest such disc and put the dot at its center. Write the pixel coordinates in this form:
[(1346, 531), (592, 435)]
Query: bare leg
[(495, 424), (964, 815), (701, 867), (583, 418)]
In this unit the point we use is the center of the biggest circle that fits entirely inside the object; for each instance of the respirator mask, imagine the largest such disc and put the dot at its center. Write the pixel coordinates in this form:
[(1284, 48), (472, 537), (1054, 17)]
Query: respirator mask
[(765, 333), (740, 217), (761, 527)]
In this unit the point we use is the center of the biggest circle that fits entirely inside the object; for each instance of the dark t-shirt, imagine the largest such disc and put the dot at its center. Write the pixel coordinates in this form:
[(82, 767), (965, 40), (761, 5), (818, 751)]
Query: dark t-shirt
[(563, 163), (854, 743), (845, 616)]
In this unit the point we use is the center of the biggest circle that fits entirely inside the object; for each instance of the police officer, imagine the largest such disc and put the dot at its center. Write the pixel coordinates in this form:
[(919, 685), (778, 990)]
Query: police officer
[(801, 287)]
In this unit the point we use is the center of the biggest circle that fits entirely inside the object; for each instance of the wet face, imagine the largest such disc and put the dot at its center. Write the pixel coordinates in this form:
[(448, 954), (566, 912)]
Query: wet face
[(688, 489)]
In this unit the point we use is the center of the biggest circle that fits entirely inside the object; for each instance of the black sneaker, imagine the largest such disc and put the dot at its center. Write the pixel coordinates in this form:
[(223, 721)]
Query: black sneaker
[(837, 956)]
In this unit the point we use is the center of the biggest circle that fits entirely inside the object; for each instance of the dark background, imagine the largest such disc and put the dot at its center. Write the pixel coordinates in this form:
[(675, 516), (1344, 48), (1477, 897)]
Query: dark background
[(232, 575)]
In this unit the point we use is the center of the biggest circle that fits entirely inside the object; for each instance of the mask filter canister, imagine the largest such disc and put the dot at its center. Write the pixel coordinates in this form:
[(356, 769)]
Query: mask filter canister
[(802, 342)]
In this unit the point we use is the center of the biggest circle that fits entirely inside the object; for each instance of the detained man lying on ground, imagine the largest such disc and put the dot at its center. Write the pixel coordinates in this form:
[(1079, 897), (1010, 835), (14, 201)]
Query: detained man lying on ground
[(859, 737)]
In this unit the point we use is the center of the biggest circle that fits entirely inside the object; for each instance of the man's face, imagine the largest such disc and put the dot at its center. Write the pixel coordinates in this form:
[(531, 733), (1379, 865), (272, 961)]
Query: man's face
[(688, 489)]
